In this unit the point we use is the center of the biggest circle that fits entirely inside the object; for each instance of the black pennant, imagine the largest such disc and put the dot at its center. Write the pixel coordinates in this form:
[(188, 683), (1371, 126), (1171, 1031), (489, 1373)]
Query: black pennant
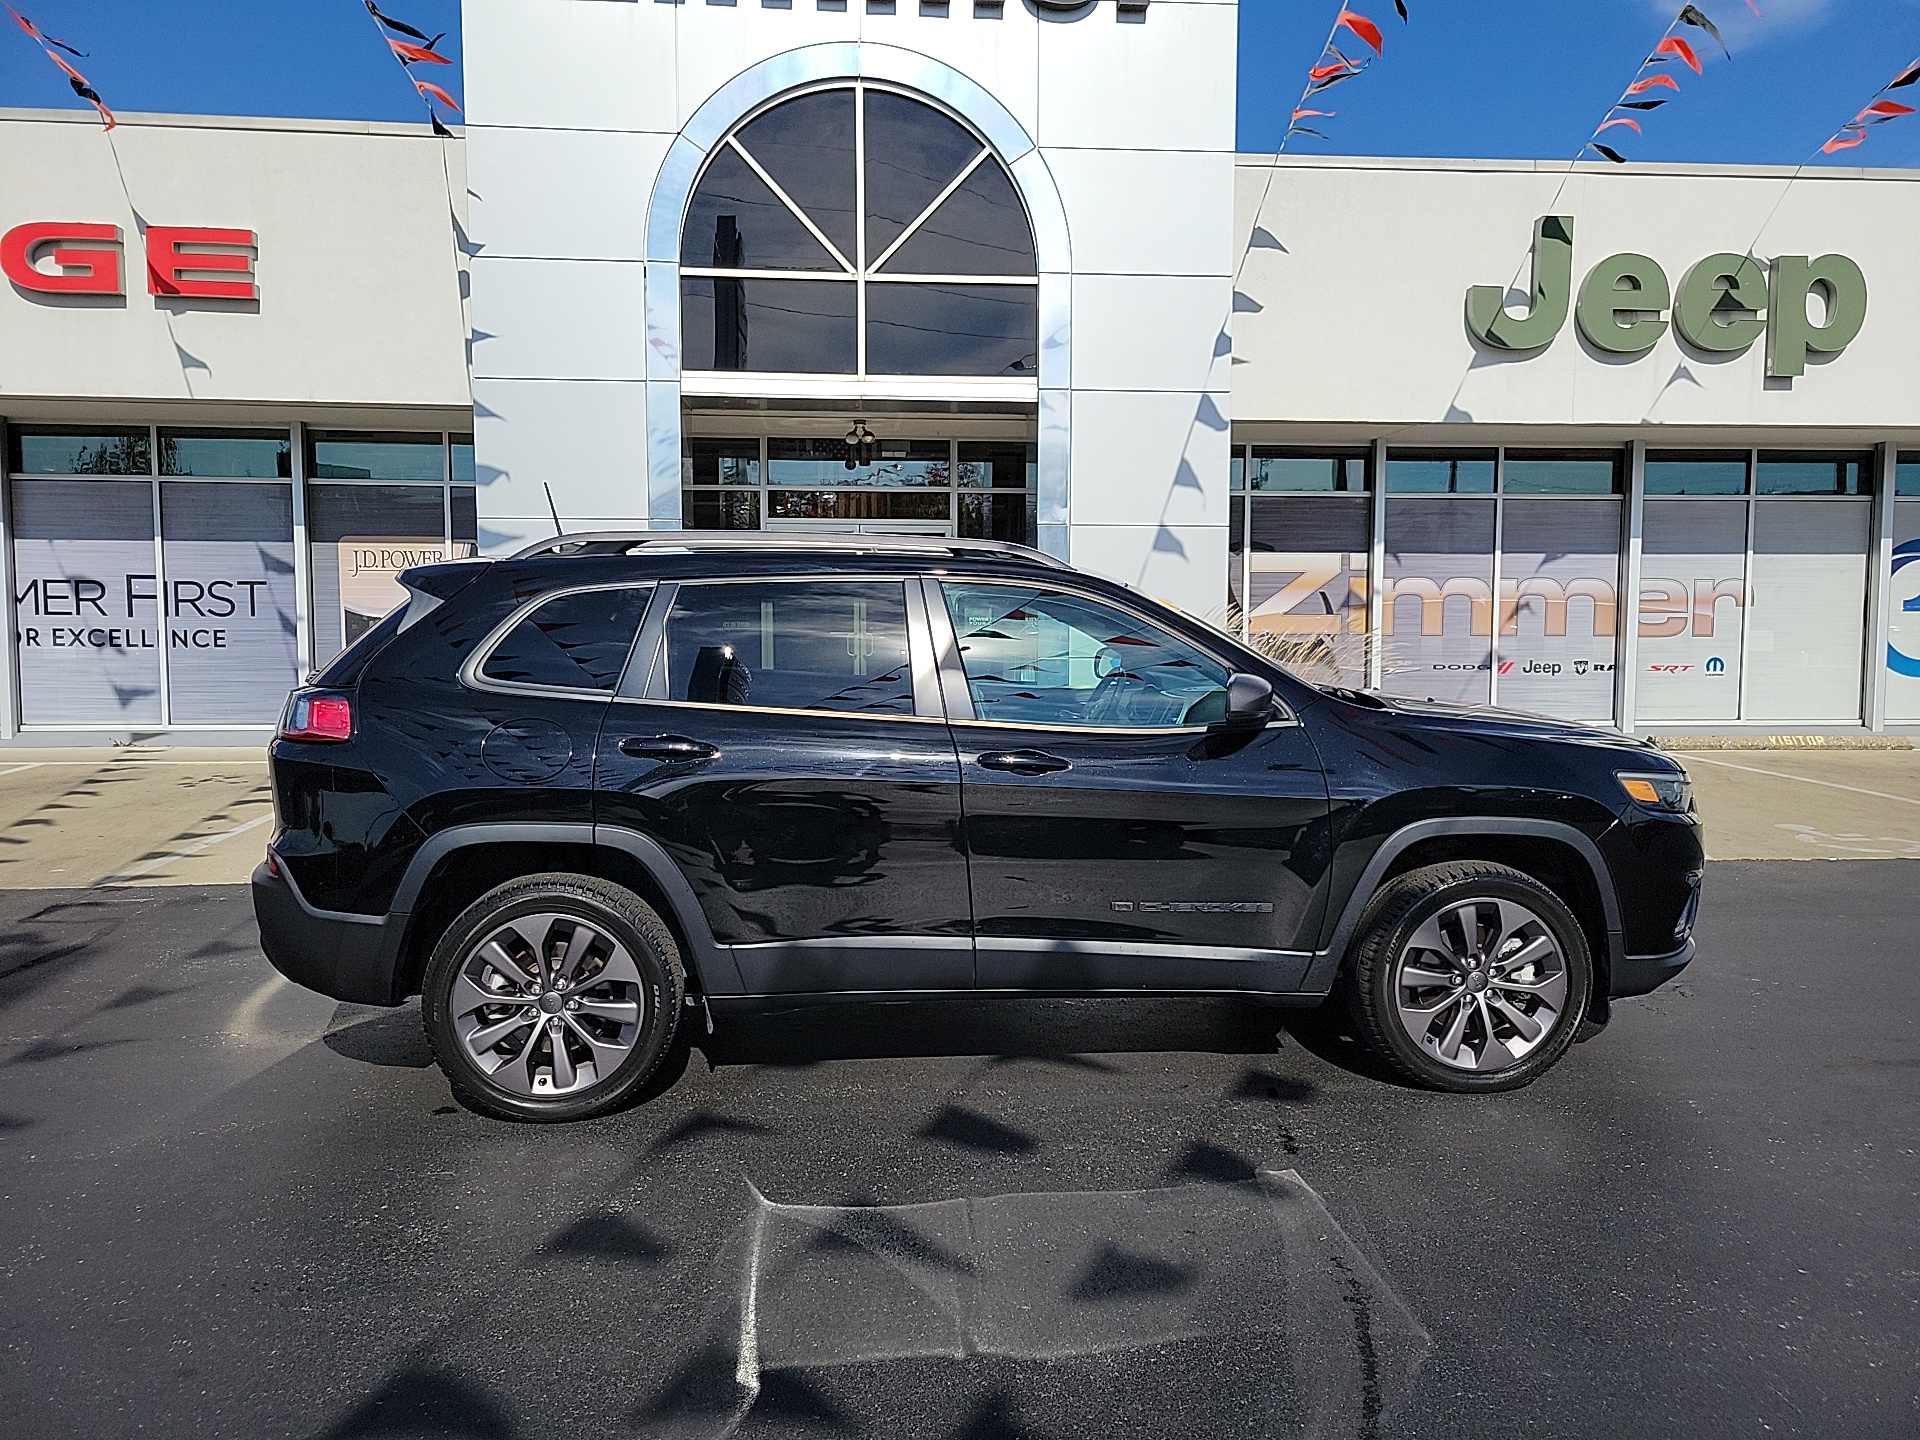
[(1692, 15), (1906, 79), (85, 91), (403, 28), (1614, 155), (1401, 6), (1639, 104), (442, 131)]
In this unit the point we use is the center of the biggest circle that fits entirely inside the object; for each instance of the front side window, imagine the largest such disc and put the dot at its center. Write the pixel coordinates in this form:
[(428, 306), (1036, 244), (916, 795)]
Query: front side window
[(839, 646), (782, 272), (572, 642), (1037, 656)]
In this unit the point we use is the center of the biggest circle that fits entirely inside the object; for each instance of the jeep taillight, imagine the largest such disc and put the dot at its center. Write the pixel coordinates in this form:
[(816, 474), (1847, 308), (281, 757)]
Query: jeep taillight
[(317, 717)]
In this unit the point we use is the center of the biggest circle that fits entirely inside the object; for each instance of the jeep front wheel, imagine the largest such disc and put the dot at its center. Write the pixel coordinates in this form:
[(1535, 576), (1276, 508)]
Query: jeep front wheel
[(552, 997), (1469, 977)]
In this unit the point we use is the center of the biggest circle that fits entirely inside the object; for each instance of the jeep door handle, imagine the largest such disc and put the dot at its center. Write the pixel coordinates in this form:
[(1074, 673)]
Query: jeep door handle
[(1024, 762), (668, 747)]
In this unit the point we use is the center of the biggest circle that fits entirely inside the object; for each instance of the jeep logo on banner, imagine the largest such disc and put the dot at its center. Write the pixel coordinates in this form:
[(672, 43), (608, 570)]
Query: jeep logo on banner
[(1725, 302)]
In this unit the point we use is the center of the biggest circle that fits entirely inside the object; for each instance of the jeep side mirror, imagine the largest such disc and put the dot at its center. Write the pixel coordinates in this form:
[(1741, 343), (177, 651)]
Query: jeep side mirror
[(1249, 698)]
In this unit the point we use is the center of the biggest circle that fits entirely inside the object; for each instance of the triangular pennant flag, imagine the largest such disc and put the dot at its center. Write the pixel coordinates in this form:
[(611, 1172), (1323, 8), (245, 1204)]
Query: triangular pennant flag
[(1691, 15), (1674, 45), (1364, 28), (409, 54), (401, 26), (427, 87)]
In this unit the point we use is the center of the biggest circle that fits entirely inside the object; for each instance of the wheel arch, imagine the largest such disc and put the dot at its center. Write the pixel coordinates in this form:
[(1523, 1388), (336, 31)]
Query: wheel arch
[(1559, 856), (458, 865)]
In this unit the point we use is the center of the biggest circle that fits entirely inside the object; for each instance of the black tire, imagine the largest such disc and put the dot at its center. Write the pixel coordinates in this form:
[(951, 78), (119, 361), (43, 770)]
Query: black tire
[(1382, 974), (590, 1025)]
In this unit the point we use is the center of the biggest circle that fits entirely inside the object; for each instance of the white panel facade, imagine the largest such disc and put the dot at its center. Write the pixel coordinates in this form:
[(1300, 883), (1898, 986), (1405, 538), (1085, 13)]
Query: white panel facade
[(1120, 105), (1362, 310), (543, 193), (357, 267), (1086, 59), (515, 302), (1164, 332), (584, 440)]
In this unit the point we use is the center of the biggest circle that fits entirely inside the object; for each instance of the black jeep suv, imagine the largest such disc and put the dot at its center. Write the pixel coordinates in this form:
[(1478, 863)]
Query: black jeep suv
[(566, 795)]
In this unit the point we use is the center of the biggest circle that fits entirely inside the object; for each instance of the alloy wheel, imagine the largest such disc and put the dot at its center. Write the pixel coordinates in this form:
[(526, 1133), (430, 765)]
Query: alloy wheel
[(547, 1005), (1481, 984)]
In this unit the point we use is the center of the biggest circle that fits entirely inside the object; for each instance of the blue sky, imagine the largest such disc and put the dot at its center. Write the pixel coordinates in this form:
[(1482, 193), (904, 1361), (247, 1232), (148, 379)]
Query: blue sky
[(1464, 77), (1531, 81)]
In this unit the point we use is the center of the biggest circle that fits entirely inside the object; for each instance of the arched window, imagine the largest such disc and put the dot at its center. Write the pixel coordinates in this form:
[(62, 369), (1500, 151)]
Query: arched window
[(857, 231)]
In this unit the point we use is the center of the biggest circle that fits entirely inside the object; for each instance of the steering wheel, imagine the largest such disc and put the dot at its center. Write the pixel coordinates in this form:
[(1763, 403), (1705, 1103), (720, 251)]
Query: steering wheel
[(1107, 660)]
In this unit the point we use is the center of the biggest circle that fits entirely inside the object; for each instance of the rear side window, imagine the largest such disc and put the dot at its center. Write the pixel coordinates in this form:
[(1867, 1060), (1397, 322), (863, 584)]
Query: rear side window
[(577, 641), (832, 646)]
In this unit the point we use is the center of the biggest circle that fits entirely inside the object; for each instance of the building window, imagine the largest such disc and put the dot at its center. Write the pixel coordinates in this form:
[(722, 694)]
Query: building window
[(378, 503), (1697, 472), (998, 481), (115, 630), (1276, 468), (781, 273), (1903, 595), (1753, 605), (982, 489), (38, 450), (230, 454), (1441, 472)]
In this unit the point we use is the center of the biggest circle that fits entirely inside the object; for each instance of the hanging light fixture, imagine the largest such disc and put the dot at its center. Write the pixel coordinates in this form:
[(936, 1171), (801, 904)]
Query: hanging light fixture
[(863, 446)]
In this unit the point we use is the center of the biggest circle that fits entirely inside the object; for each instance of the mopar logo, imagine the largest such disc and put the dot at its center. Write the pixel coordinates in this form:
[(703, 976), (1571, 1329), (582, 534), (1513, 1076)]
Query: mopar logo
[(1716, 666)]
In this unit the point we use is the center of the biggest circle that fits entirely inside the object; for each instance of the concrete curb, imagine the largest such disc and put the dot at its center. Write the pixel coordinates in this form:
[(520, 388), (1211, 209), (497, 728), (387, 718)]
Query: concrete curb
[(1682, 743)]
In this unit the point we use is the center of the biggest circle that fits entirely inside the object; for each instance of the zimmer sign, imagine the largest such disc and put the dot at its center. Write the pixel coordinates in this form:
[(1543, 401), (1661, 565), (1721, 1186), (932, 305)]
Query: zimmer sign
[(1724, 303)]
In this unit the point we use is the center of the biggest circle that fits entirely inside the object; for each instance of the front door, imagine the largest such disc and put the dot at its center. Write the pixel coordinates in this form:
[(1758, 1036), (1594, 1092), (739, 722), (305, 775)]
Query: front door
[(1118, 837), (783, 739)]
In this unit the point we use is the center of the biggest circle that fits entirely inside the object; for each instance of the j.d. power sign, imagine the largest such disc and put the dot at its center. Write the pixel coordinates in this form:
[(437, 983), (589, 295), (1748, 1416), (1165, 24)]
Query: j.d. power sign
[(1723, 304)]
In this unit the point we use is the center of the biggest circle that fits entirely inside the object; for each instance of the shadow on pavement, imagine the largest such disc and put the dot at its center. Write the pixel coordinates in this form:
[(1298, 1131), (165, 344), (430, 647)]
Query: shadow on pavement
[(1058, 1031), (387, 1037)]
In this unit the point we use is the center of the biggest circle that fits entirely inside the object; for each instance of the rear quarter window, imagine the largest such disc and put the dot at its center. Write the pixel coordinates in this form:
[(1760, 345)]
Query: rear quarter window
[(576, 641)]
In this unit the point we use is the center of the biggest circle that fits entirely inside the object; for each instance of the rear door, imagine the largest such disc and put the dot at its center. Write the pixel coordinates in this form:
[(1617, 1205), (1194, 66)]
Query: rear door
[(784, 740), (1118, 836)]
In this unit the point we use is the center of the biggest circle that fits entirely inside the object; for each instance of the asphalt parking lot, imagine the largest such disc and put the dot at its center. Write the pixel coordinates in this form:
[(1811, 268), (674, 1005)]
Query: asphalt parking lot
[(232, 1208)]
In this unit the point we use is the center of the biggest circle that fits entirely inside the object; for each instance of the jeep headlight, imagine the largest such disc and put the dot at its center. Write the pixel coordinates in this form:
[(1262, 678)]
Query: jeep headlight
[(1658, 791)]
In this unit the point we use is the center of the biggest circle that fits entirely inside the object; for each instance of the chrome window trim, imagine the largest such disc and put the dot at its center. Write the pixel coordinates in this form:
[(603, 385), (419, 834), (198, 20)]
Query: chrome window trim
[(937, 605), (946, 653), (645, 680), (774, 710), (638, 681), (470, 672)]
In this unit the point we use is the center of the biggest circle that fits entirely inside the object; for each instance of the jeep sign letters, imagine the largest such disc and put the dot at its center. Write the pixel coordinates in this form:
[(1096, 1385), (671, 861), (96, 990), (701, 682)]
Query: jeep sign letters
[(1724, 303)]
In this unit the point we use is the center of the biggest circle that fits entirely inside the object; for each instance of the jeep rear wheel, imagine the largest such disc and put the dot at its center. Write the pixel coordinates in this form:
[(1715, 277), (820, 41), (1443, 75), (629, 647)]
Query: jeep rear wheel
[(552, 997), (1469, 977)]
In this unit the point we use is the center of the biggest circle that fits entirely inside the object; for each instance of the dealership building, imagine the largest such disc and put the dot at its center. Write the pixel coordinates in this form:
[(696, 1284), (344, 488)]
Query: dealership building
[(1637, 445)]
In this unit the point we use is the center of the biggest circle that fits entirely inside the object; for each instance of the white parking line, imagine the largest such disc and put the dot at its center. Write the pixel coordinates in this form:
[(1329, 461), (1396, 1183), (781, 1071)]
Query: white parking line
[(1804, 780), (15, 770), (194, 849)]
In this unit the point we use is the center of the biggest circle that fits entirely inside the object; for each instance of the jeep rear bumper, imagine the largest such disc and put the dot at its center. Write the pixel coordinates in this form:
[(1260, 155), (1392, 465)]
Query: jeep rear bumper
[(349, 957)]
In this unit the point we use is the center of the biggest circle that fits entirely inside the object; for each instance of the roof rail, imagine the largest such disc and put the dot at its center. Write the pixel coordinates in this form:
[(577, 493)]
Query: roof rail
[(640, 542)]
